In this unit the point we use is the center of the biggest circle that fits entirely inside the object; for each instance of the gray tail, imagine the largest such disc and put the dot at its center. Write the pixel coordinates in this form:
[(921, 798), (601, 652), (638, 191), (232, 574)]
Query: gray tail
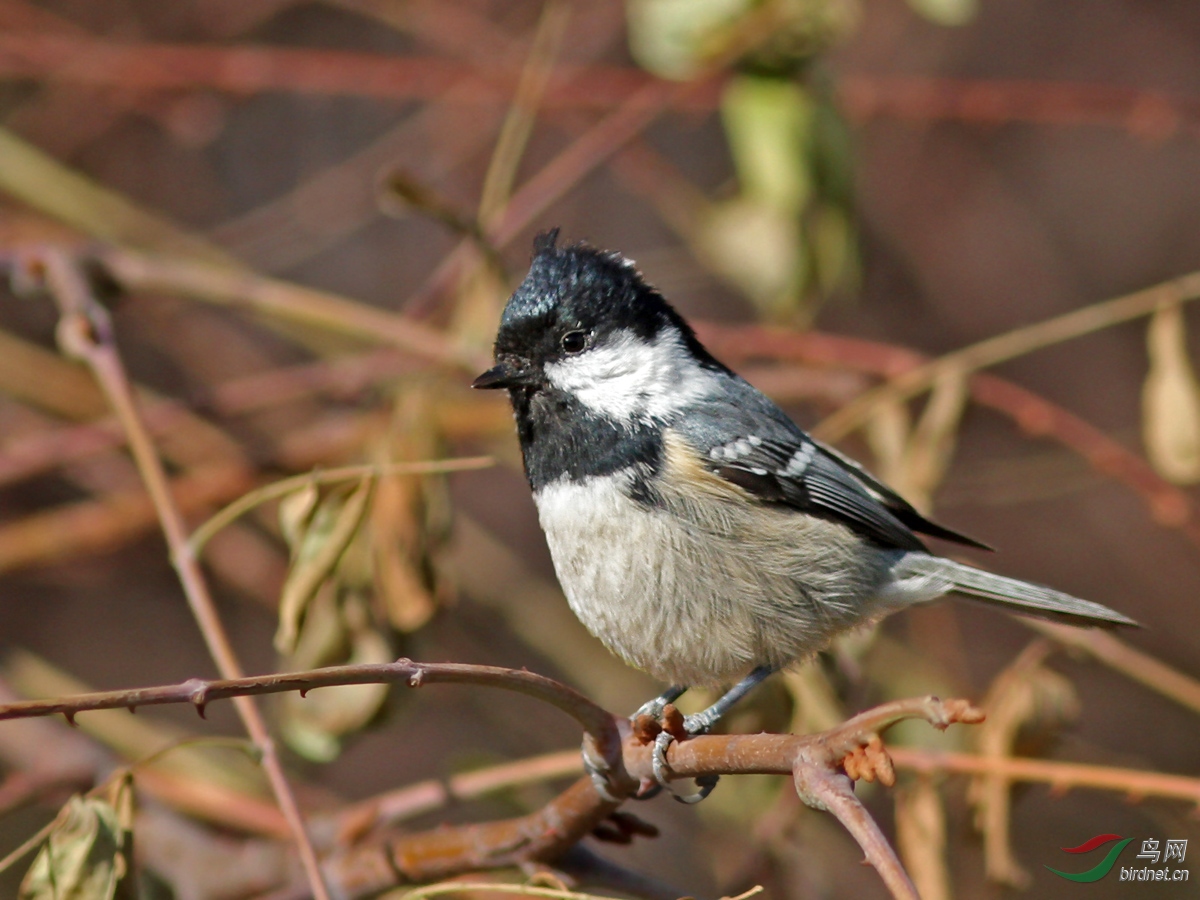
[(1023, 597)]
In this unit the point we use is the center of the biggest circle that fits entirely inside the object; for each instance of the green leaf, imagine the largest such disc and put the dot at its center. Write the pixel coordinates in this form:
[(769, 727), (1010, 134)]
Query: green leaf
[(757, 248), (946, 12), (768, 123), (672, 38)]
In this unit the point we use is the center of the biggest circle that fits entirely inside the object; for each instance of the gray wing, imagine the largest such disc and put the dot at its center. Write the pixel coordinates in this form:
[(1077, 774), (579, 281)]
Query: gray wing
[(749, 441)]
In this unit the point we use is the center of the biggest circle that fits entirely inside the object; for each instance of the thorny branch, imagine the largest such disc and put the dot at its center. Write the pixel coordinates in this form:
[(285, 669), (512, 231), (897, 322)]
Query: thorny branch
[(823, 767), (85, 332), (594, 720)]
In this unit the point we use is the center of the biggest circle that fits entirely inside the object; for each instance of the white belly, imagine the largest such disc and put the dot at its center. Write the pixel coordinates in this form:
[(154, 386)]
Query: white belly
[(704, 590)]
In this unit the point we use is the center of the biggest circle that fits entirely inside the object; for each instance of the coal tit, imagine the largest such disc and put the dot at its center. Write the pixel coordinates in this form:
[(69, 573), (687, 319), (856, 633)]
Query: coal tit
[(696, 530)]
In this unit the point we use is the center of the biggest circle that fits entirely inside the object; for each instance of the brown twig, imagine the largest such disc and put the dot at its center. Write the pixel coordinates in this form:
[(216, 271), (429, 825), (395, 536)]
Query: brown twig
[(1009, 345), (594, 720), (553, 181), (1152, 114), (1129, 661), (84, 332), (590, 150), (112, 520), (815, 762), (248, 69), (1061, 776), (528, 95), (227, 286), (426, 796)]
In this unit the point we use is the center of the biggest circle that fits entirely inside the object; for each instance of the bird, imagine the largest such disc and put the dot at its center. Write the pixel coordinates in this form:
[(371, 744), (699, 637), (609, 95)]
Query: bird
[(695, 529)]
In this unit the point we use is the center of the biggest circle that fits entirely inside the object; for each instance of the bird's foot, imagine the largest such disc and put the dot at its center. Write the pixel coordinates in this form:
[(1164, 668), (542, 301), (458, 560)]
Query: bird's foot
[(677, 727), (654, 708), (605, 767)]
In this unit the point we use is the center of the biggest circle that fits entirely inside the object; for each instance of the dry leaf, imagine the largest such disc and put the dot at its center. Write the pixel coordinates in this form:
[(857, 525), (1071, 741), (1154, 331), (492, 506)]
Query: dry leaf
[(86, 856), (1171, 399), (947, 12), (756, 247), (337, 630), (320, 540), (410, 517), (296, 511)]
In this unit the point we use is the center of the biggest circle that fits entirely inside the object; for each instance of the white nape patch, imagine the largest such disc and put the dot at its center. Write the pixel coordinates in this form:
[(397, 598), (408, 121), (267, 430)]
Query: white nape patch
[(629, 379)]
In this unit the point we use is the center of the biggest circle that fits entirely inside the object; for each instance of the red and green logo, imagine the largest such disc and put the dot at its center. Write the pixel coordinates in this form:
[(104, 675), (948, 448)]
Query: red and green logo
[(1102, 868)]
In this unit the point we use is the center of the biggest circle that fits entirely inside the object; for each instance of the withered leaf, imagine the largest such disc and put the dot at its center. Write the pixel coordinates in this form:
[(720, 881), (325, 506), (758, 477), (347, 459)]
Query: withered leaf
[(319, 546), (1171, 399), (86, 856), (337, 629)]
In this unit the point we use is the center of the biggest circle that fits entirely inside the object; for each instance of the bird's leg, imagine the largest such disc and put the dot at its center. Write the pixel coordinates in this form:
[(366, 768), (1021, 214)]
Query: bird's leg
[(700, 723)]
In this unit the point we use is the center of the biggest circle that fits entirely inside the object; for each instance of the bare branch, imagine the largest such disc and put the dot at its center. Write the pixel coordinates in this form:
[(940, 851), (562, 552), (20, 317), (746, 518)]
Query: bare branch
[(1012, 344), (595, 720), (85, 332), (1061, 776)]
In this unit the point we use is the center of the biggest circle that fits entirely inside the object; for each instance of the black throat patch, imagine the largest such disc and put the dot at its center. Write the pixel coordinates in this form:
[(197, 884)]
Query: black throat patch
[(562, 438)]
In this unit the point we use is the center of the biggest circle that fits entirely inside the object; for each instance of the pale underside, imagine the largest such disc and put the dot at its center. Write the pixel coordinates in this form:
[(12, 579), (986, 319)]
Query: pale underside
[(709, 586)]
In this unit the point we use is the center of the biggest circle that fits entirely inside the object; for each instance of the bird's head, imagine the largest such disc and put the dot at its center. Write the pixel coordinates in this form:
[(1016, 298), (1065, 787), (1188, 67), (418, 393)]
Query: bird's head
[(585, 323)]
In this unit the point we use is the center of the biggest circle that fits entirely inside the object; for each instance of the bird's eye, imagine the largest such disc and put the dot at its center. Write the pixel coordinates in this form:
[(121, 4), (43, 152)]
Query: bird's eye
[(574, 341)]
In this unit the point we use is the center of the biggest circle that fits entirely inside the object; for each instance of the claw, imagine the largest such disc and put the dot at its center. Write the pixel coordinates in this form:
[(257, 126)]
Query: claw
[(600, 772), (658, 760), (660, 713)]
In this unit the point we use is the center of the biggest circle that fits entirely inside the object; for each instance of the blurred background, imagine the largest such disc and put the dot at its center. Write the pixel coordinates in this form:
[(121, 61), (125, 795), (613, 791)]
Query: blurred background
[(834, 190)]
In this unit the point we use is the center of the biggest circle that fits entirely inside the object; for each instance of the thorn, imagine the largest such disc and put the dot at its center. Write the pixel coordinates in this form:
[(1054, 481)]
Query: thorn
[(70, 717), (199, 696), (303, 693), (417, 678), (132, 709)]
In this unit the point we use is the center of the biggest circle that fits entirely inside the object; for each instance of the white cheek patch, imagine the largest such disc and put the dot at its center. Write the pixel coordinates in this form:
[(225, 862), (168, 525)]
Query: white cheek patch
[(630, 379)]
